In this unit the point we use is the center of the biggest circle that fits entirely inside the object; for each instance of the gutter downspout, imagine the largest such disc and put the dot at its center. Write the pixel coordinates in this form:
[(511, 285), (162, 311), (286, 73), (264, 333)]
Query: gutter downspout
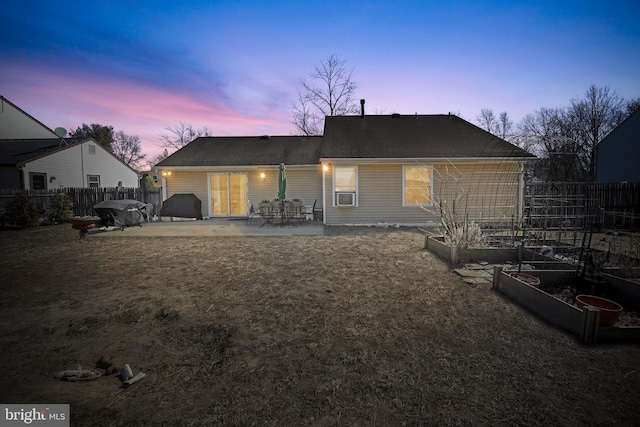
[(23, 182), (521, 193), (84, 184), (324, 197)]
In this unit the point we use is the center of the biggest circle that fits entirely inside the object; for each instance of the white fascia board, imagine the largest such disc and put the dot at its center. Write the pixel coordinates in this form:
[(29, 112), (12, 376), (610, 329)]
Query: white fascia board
[(353, 160), (233, 168)]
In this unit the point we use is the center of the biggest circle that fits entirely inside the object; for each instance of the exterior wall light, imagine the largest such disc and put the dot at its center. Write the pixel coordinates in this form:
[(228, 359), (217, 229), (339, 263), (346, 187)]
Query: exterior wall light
[(166, 173), (262, 175)]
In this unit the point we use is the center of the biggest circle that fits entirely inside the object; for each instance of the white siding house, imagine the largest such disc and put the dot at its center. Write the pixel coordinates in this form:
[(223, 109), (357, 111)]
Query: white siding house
[(33, 157), (16, 124), (85, 164)]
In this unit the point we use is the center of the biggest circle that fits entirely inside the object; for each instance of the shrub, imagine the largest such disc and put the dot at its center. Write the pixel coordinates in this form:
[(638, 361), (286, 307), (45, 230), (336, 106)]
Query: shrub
[(61, 208), (22, 213), (148, 182)]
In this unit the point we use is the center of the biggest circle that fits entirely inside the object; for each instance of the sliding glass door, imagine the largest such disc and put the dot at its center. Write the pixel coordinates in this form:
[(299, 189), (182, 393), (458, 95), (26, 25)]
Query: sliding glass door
[(228, 194)]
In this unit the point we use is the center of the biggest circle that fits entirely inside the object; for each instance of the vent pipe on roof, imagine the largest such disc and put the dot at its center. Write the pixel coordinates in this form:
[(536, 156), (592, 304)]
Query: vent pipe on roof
[(362, 108)]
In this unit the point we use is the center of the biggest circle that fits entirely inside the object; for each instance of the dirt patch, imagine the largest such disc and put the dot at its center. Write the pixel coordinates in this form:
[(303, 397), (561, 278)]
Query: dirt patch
[(357, 327)]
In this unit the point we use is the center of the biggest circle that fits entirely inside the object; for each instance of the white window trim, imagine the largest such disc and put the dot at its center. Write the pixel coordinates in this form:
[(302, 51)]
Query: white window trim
[(89, 181), (404, 185), (334, 192)]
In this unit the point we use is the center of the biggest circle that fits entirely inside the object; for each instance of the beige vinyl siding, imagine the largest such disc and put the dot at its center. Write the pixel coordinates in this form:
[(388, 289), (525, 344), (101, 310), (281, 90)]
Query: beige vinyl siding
[(72, 164), (302, 183), (482, 191), (379, 198), (180, 182)]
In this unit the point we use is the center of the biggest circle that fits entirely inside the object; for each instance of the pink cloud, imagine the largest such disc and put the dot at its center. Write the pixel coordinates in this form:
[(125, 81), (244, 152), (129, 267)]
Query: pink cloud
[(66, 100)]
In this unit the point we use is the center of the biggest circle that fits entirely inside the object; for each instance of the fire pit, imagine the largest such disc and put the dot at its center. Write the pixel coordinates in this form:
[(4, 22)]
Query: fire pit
[(83, 224)]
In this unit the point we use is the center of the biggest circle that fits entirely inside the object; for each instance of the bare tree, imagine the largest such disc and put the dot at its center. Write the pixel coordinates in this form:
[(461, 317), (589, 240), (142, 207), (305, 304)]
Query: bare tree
[(632, 105), (504, 126), (157, 158), (566, 138), (128, 149), (306, 119), (330, 92), (487, 120), (591, 119), (182, 134), (544, 134), (499, 126)]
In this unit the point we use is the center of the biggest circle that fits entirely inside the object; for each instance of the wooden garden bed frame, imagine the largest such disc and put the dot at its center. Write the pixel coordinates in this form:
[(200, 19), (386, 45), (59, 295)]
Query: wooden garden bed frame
[(583, 323)]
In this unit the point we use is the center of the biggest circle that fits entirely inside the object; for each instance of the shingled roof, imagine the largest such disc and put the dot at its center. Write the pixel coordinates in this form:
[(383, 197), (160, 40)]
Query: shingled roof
[(247, 151), (14, 151), (413, 136)]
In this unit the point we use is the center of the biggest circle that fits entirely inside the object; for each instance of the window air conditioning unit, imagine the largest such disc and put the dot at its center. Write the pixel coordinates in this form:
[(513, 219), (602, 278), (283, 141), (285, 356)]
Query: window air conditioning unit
[(346, 199)]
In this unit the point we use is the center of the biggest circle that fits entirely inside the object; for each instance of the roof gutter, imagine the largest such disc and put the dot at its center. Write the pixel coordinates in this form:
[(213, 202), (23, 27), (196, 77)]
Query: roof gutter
[(233, 168), (423, 160)]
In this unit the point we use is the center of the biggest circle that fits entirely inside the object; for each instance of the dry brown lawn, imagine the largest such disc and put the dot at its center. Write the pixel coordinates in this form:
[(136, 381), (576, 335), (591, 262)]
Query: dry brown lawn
[(357, 328)]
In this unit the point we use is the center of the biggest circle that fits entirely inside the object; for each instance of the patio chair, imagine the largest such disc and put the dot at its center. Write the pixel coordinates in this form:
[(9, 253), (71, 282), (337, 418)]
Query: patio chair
[(317, 212), (253, 213), (298, 210), (288, 212), (267, 212)]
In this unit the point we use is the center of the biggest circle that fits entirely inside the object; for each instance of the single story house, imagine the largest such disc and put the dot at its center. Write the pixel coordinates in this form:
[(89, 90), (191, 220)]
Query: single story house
[(229, 174), (409, 169), (618, 153), (363, 170), (33, 157), (43, 164)]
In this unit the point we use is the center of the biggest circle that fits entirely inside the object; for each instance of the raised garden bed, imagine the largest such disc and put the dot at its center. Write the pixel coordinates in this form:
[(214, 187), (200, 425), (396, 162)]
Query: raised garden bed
[(454, 255), (585, 323), (554, 273)]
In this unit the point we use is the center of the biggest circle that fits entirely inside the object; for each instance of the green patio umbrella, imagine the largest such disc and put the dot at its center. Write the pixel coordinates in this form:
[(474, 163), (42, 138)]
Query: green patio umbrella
[(282, 183)]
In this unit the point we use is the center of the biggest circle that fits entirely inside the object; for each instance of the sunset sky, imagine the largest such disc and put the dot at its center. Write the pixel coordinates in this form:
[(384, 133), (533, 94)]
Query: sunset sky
[(234, 66)]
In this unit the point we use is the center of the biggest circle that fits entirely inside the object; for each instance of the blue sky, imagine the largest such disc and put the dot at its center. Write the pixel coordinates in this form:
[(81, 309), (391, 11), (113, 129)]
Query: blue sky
[(234, 66)]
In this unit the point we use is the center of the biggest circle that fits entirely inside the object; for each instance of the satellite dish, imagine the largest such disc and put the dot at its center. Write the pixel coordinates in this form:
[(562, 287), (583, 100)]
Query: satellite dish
[(61, 132)]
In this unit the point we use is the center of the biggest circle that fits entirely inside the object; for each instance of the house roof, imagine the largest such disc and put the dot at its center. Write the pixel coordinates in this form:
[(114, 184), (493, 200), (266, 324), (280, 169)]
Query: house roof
[(414, 136), (247, 151), (14, 151), (21, 151)]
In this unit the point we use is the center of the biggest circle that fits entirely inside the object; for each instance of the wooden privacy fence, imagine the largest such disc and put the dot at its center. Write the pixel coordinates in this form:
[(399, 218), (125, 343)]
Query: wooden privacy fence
[(85, 198), (566, 205)]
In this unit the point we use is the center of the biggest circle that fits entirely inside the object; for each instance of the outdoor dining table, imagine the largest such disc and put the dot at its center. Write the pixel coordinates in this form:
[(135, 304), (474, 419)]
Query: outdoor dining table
[(283, 209)]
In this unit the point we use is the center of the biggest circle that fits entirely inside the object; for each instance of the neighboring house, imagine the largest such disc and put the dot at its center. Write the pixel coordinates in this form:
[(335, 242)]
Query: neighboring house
[(364, 170), (229, 174), (17, 124), (33, 157), (86, 164), (617, 155)]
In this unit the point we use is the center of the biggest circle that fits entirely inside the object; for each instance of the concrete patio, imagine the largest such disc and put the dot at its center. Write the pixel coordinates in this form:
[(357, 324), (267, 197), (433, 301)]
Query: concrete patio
[(212, 227)]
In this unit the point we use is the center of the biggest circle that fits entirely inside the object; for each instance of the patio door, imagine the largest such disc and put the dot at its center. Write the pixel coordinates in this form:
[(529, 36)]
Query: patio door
[(228, 194)]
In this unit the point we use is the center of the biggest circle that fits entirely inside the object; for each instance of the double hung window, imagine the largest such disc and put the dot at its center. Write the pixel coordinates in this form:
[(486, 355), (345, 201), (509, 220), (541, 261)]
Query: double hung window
[(417, 183), (93, 181), (345, 186)]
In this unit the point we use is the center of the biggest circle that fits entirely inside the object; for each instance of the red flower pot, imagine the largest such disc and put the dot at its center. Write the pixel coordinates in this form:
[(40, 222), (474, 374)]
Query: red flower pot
[(609, 310), (526, 278)]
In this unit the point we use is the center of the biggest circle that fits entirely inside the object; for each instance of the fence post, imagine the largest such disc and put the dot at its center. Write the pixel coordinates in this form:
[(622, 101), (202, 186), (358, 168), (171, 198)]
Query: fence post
[(591, 318)]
